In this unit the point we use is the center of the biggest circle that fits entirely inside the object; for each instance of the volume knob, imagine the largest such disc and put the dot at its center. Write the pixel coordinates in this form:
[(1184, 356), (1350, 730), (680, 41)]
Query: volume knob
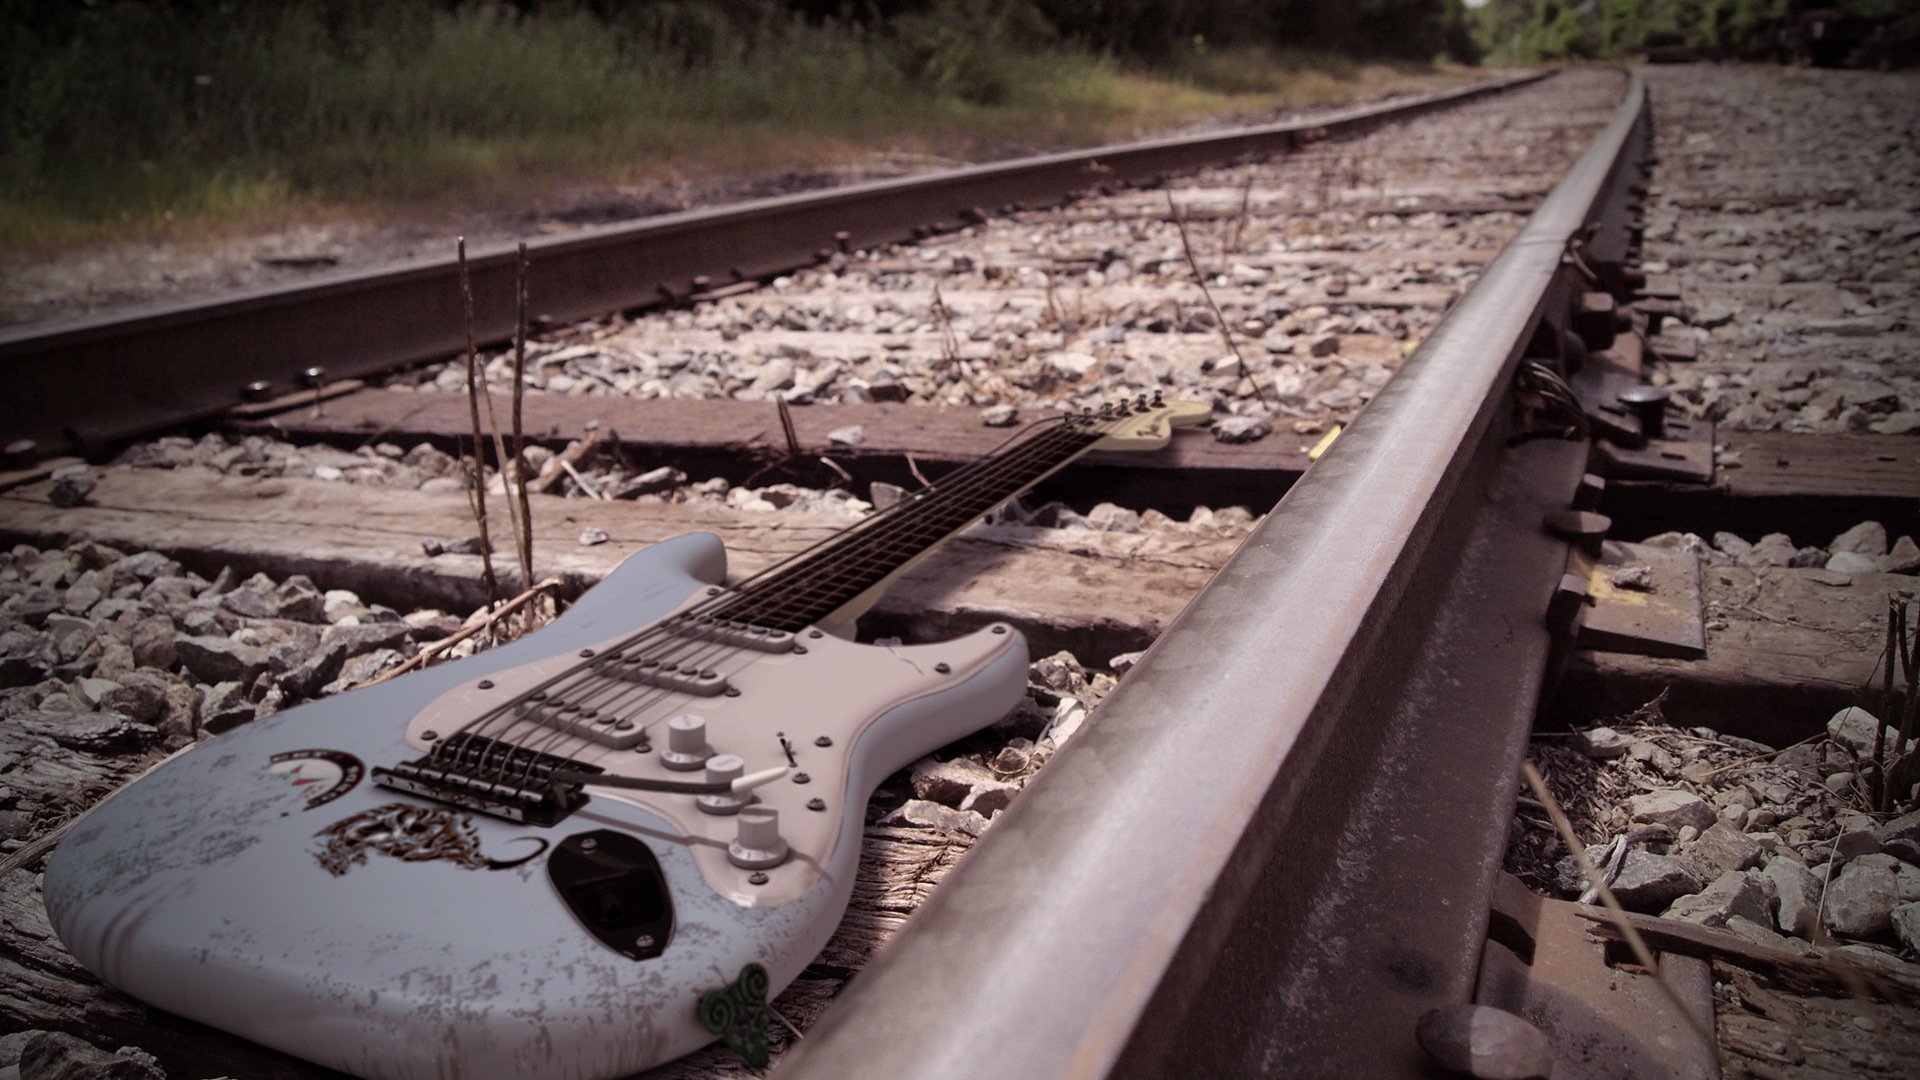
[(687, 747), (724, 769), (758, 845)]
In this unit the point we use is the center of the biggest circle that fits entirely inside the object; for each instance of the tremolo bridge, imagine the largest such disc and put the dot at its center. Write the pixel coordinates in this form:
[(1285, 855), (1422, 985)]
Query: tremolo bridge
[(491, 777)]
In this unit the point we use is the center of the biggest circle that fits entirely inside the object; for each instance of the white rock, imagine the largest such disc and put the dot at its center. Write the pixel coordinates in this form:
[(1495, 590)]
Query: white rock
[(999, 415), (1861, 898), (1073, 365), (1866, 538), (1853, 727), (1797, 891), (851, 435), (1672, 808), (1240, 429), (1906, 926), (1732, 893), (1849, 562), (1904, 558), (1600, 743)]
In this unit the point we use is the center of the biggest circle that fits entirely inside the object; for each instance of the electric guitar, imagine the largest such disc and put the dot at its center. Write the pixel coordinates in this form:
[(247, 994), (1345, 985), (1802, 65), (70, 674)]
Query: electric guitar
[(577, 855)]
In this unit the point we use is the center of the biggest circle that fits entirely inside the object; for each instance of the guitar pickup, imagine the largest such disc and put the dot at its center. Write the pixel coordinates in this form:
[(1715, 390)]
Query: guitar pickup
[(665, 674), (735, 632), (490, 777)]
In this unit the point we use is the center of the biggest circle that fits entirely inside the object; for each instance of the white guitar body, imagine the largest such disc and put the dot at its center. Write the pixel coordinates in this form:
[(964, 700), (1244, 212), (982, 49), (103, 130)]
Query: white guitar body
[(264, 883)]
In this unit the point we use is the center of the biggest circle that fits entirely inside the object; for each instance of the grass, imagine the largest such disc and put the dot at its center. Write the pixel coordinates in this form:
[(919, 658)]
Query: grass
[(146, 125)]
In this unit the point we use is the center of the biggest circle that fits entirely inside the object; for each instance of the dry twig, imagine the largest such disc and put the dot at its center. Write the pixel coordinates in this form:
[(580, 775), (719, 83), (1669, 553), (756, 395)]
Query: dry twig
[(493, 617), (1200, 277), (477, 490)]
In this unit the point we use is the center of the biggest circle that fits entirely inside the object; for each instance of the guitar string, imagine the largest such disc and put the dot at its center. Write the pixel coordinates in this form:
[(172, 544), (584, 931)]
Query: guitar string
[(919, 532), (835, 555), (720, 603)]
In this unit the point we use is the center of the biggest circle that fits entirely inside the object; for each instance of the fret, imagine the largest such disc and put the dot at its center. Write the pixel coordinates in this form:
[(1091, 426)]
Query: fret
[(812, 586)]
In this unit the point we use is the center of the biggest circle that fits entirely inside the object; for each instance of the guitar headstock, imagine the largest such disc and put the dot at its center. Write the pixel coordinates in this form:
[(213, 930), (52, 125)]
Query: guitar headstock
[(1142, 423)]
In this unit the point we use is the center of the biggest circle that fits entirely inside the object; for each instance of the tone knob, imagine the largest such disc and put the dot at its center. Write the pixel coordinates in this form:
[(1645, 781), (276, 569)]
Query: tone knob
[(687, 747), (758, 845), (724, 769)]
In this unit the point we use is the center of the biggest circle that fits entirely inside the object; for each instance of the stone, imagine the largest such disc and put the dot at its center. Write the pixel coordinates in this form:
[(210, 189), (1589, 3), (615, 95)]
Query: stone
[(850, 435), (1853, 728), (591, 536), (1906, 926), (1861, 897), (155, 642), (1484, 1042), (1073, 365), (1849, 562), (430, 624), (1672, 808), (226, 707), (919, 813), (1867, 538), (1721, 848), (147, 566), (1241, 429), (1903, 559), (990, 797), (338, 604), (998, 416), (140, 694), (1732, 893), (1905, 827), (99, 732), (340, 642), (1601, 743), (949, 782), (71, 489), (1773, 549), (362, 668), (1854, 842), (1324, 345), (218, 659), (51, 1055), (1648, 882), (1655, 757)]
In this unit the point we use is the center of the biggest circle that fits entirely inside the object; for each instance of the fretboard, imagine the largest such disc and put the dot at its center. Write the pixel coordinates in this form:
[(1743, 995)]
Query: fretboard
[(816, 583)]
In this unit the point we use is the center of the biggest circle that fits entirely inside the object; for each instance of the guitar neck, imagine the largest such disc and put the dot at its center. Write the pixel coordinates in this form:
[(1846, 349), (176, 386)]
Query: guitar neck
[(815, 584)]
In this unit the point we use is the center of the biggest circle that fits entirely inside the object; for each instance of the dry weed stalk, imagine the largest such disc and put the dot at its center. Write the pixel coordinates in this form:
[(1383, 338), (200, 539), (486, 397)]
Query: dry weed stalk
[(1200, 278), (477, 469), (1240, 221), (1896, 709), (949, 342), (519, 428)]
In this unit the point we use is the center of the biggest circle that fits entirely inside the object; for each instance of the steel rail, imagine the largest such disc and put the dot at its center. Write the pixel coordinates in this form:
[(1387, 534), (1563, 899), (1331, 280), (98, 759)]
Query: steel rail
[(1274, 847), (83, 385)]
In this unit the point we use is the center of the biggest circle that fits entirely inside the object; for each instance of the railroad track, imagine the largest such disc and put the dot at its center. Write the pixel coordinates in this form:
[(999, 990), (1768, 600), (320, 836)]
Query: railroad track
[(1426, 555)]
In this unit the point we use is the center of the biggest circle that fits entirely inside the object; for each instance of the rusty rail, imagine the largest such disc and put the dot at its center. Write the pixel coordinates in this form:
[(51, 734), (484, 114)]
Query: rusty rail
[(82, 386), (1275, 846)]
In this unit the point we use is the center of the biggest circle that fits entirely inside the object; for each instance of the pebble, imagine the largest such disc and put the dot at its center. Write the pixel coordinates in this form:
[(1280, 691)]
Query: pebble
[(1485, 1043), (1241, 429), (999, 415), (1732, 893), (590, 536), (1600, 743), (1672, 808), (1861, 897), (1797, 896), (1854, 727)]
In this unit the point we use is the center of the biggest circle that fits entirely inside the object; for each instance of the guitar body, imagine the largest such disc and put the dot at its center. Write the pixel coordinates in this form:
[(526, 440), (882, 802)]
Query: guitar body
[(263, 882)]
